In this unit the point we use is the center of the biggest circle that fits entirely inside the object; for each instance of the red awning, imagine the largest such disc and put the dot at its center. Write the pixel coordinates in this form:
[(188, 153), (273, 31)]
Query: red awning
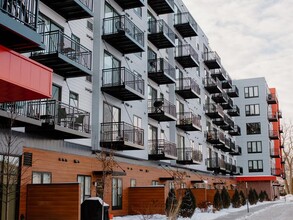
[(255, 178), (22, 78)]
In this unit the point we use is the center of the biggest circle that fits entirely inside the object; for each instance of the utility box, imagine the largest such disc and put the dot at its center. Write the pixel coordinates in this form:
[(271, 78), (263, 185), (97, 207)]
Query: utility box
[(91, 209)]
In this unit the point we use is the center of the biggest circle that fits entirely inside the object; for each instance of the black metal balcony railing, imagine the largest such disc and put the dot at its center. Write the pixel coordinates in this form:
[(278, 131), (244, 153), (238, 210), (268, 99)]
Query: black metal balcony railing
[(160, 34), (228, 104), (121, 136), (186, 56), (233, 92), (56, 42), (185, 24), (275, 152), (162, 6), (235, 111), (220, 97), (228, 123), (161, 109), (216, 164), (219, 73), (128, 4), (123, 84), (236, 170), (235, 131), (188, 121), (212, 60), (187, 88), (160, 71), (188, 156), (213, 110), (123, 34), (272, 116), (236, 151), (272, 98), (212, 85), (274, 134), (162, 149), (227, 83), (276, 171), (215, 137), (23, 11)]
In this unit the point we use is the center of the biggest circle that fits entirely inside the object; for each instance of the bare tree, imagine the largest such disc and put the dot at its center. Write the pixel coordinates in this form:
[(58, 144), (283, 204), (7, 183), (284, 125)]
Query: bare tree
[(287, 141)]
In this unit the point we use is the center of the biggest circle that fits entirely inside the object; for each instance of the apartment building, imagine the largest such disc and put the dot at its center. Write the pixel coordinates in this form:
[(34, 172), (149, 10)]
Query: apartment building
[(259, 120), (132, 78)]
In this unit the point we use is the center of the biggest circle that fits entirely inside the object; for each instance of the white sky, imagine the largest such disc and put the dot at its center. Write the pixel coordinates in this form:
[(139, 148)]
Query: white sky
[(254, 38)]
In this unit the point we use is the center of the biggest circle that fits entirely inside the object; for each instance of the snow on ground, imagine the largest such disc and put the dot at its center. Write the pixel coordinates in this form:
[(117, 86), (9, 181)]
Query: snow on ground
[(265, 213)]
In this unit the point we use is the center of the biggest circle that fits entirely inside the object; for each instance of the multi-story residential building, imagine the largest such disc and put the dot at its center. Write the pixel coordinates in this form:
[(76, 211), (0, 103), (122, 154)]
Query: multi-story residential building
[(260, 124), (135, 79)]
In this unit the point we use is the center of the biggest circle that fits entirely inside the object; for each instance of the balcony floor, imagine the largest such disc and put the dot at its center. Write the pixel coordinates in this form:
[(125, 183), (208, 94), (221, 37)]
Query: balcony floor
[(160, 40), (187, 162), (186, 30), (212, 89), (128, 4), (188, 127), (186, 61), (161, 116), (161, 78), (187, 93), (123, 92), (212, 64), (120, 145), (161, 6), (161, 156)]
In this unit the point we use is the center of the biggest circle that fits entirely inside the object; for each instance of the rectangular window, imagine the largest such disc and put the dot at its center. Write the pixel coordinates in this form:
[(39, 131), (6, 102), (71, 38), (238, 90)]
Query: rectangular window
[(251, 91), (116, 193), (155, 182), (41, 177), (252, 110), (132, 182), (56, 92), (253, 128), (255, 166), (137, 121), (73, 99), (90, 25), (85, 187), (254, 146)]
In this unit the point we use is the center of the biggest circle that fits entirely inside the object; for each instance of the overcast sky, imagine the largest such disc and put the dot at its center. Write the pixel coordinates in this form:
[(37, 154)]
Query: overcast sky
[(254, 38)]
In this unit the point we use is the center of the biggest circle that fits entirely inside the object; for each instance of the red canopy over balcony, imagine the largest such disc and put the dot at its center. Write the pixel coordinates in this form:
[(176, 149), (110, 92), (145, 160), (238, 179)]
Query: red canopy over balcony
[(22, 78)]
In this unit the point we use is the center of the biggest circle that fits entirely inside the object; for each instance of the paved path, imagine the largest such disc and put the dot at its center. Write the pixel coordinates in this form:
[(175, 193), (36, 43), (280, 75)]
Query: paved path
[(280, 210)]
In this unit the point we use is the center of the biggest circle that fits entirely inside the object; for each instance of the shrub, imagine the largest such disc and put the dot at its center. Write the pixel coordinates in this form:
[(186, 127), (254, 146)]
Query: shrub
[(242, 198), (266, 197), (218, 204), (225, 198), (188, 204), (252, 197), (261, 196), (256, 198), (171, 202), (236, 199)]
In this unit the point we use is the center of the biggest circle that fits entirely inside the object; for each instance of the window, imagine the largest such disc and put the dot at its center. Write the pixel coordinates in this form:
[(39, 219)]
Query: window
[(116, 193), (171, 185), (251, 110), (254, 147), (85, 187), (138, 11), (255, 166), (132, 182), (41, 177), (89, 79), (182, 185), (253, 128), (155, 182), (73, 99), (56, 92), (90, 25), (137, 121), (75, 43), (111, 113), (251, 92)]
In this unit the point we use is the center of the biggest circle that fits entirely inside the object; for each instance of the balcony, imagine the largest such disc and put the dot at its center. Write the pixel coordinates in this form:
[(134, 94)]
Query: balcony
[(65, 56), (216, 164), (160, 109), (233, 92), (214, 111), (273, 116), (218, 73), (274, 134), (188, 156), (187, 88), (186, 56), (237, 170), (212, 60), (121, 33), (215, 137), (19, 24), (220, 97), (281, 129), (229, 168), (272, 98), (128, 4), (280, 115), (228, 104), (236, 131), (72, 9), (162, 6), (224, 143), (235, 111), (275, 152), (160, 149), (160, 34), (48, 118), (187, 121), (276, 171), (228, 123), (121, 136), (227, 83), (237, 151), (212, 85), (122, 84), (160, 71), (185, 24), (22, 78)]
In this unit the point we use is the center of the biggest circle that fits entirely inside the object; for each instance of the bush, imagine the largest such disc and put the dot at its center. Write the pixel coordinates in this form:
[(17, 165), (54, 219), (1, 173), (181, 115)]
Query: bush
[(242, 198), (255, 196), (266, 197), (171, 202), (261, 196), (188, 205), (225, 198), (218, 204), (236, 199), (252, 197)]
